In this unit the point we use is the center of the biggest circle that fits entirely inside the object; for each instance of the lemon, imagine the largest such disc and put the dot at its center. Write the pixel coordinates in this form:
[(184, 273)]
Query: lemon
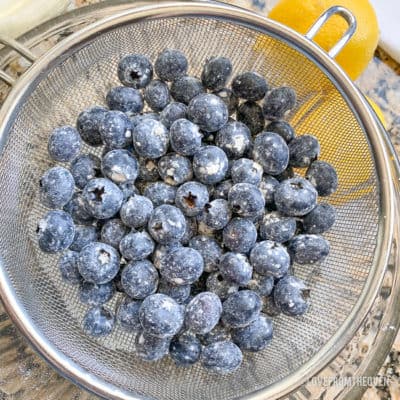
[(377, 110), (301, 14)]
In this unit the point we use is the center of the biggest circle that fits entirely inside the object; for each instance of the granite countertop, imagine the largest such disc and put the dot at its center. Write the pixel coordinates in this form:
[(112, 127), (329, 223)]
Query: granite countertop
[(22, 368)]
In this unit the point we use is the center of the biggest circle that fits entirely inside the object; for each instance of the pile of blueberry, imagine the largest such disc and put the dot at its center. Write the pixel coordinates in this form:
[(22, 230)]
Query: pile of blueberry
[(196, 217)]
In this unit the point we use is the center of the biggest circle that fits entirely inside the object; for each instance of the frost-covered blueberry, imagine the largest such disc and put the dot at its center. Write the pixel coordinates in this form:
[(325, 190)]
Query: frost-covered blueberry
[(208, 111), (283, 129), (268, 186), (56, 187), (218, 285), (203, 313), (270, 258), (235, 268), (120, 166), (170, 65), (136, 212), (113, 231), (150, 139), (303, 151), (172, 112), (116, 130), (84, 235), (180, 293), (135, 70), (184, 266), (210, 165), (128, 189), (68, 266), (216, 72), (241, 308), (191, 230), (175, 169), (98, 321), (246, 200), (128, 314), (139, 279), (185, 137), (148, 171), (295, 197), (291, 296), (136, 119), (245, 170), (161, 316), (240, 235), (186, 88), (254, 337), (98, 263), (151, 348), (277, 227), (323, 177), (261, 284), (160, 193), (191, 197), (234, 138), (185, 350), (209, 249), (76, 207), (55, 231), (250, 86), (320, 219), (167, 224), (64, 144), (103, 198), (88, 125), (227, 96), (136, 246), (221, 357), (272, 152), (125, 99), (221, 190), (156, 95), (160, 254), (278, 102), (308, 249), (216, 214), (251, 114), (84, 168), (96, 295)]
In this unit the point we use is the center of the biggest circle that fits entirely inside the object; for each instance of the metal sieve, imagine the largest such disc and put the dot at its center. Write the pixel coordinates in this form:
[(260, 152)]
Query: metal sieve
[(76, 74)]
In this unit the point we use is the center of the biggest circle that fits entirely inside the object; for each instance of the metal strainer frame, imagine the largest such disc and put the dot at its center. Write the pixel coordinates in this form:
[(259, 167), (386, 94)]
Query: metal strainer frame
[(358, 103)]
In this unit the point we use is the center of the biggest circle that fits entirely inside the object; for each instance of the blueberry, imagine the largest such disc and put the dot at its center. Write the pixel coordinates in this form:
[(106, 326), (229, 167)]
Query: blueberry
[(120, 166), (170, 65), (303, 151), (103, 198), (68, 265), (77, 209), (218, 285), (191, 197), (246, 200), (246, 171), (98, 263), (128, 314), (135, 70), (184, 266), (64, 144), (84, 235), (185, 350), (186, 88), (235, 268), (185, 137), (180, 293), (88, 125), (136, 246), (210, 165), (227, 96), (136, 119), (254, 337), (148, 171), (216, 72), (323, 177), (55, 231), (172, 112), (320, 219), (56, 187), (216, 214), (270, 258), (125, 99), (218, 334), (151, 348), (283, 129), (112, 232), (221, 357), (160, 254), (150, 139), (208, 111), (160, 193), (240, 235), (161, 315), (234, 139), (96, 295), (128, 190), (278, 102), (268, 186), (221, 190), (136, 212), (175, 169), (308, 249), (295, 197), (84, 168), (209, 249), (156, 95), (251, 114), (250, 86), (116, 130), (277, 227), (261, 284), (190, 231), (98, 321), (291, 296)]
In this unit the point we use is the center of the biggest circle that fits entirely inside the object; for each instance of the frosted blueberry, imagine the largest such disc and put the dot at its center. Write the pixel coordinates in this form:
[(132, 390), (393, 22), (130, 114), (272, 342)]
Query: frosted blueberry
[(251, 114), (245, 170), (96, 295), (308, 249), (68, 265), (185, 137), (84, 168), (303, 151), (136, 212), (240, 235), (125, 99), (227, 96), (186, 88), (150, 139), (209, 249), (246, 200), (218, 285), (210, 165), (128, 189), (278, 102), (221, 190), (323, 177), (216, 72), (112, 232), (160, 193), (128, 314), (320, 219), (172, 112), (77, 209), (156, 95), (151, 348), (235, 268), (185, 350), (120, 166), (98, 321), (191, 197), (216, 214), (160, 254), (268, 186), (221, 357), (135, 70), (116, 130), (136, 246), (136, 119), (283, 129), (234, 138), (249, 86), (64, 144), (175, 169), (261, 284), (84, 235), (277, 227), (88, 125), (170, 65), (180, 293)]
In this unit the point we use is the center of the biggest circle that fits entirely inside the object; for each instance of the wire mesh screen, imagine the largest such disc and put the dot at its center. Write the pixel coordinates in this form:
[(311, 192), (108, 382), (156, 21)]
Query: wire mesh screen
[(81, 81)]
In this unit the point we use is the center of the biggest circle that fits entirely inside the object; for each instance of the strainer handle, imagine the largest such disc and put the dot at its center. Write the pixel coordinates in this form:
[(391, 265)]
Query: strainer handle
[(347, 16)]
